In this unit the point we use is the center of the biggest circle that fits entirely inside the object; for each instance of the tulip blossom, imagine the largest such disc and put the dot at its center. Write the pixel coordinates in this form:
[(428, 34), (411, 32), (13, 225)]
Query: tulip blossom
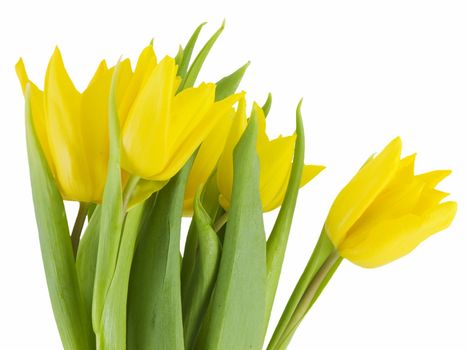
[(72, 128), (162, 128), (275, 158), (385, 211)]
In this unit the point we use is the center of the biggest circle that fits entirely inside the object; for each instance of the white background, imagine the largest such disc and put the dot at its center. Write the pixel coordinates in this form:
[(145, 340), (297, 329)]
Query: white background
[(369, 71)]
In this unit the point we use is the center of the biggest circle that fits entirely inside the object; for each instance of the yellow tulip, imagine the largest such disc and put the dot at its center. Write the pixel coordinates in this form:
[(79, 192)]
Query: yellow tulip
[(72, 128), (275, 158), (385, 211), (162, 128)]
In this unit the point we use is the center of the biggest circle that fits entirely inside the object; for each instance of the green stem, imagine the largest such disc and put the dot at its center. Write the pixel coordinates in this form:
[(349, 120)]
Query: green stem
[(129, 189), (310, 294), (78, 226), (220, 222)]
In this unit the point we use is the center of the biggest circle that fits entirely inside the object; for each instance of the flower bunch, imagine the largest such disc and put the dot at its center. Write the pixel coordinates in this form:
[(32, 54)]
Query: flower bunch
[(141, 148)]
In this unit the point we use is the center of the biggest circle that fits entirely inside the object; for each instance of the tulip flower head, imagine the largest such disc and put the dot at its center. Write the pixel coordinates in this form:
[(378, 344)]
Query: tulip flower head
[(385, 211), (72, 128), (275, 158), (163, 129)]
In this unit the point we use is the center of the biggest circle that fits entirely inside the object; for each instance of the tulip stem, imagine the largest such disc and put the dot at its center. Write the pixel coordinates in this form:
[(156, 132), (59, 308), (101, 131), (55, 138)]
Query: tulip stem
[(78, 226), (220, 222), (128, 192), (306, 301)]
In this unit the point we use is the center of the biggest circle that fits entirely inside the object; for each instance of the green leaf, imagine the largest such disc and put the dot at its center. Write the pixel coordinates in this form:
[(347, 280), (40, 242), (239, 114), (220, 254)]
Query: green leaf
[(188, 51), (237, 309), (154, 299), (229, 84), (179, 57), (277, 241), (210, 203), (111, 219), (57, 254), (86, 259), (197, 295), (114, 317), (323, 250), (190, 78), (267, 105)]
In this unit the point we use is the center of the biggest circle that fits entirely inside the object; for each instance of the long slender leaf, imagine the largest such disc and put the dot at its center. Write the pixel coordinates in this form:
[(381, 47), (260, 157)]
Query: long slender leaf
[(237, 309), (188, 51), (57, 254), (323, 249), (267, 105), (277, 241), (111, 220), (229, 84), (196, 297), (114, 319), (154, 299), (190, 78), (87, 258)]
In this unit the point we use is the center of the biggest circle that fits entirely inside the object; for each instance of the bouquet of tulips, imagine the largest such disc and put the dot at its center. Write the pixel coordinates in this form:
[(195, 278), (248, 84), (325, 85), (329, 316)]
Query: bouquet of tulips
[(139, 149)]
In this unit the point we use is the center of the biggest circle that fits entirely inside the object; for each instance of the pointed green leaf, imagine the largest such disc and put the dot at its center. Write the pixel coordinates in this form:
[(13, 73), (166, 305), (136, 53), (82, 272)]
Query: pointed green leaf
[(111, 219), (277, 241), (323, 249), (229, 84), (114, 319), (196, 297), (237, 309), (154, 299), (210, 202), (86, 260), (179, 57), (190, 78), (267, 105), (188, 51), (57, 254)]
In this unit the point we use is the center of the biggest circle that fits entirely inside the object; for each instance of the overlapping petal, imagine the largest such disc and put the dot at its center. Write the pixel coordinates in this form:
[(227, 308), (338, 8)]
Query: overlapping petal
[(275, 158)]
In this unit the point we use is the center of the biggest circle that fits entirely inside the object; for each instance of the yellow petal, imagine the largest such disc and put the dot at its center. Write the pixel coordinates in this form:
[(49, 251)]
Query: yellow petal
[(389, 240), (225, 167), (66, 135), (275, 161), (310, 172), (38, 114), (145, 66), (94, 121), (195, 137), (433, 178), (360, 192), (189, 110), (145, 132), (206, 159)]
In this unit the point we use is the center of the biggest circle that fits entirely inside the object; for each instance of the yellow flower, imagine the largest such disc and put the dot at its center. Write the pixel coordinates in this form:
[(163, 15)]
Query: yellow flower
[(162, 128), (385, 211), (275, 158), (72, 128)]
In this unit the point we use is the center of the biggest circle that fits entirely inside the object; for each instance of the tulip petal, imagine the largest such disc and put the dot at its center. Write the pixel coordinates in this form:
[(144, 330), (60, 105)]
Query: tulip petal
[(207, 158), (360, 192), (93, 117), (146, 64), (198, 133), (145, 132), (433, 178), (275, 163), (309, 173), (391, 239), (225, 167), (65, 132), (38, 113)]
